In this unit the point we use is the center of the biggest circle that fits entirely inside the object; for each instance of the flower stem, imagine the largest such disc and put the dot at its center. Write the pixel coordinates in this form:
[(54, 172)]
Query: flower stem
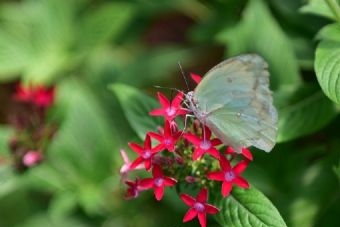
[(333, 5)]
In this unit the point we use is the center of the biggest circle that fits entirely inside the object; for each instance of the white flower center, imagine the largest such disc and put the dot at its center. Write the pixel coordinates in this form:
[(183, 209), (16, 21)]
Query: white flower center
[(205, 145), (146, 154), (170, 111), (199, 207), (229, 176), (158, 181)]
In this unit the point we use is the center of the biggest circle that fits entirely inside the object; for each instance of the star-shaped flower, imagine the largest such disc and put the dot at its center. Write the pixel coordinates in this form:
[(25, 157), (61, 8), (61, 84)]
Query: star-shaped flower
[(203, 145), (245, 152), (169, 109), (229, 175), (199, 207), (158, 182), (169, 139), (145, 153)]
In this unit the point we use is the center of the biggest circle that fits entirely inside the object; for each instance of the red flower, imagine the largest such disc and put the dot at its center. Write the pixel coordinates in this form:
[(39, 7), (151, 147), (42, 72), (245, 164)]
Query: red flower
[(158, 182), (134, 188), (199, 207), (126, 167), (40, 95), (168, 139), (204, 145), (146, 153), (43, 96), (230, 175), (169, 109), (245, 152), (196, 78)]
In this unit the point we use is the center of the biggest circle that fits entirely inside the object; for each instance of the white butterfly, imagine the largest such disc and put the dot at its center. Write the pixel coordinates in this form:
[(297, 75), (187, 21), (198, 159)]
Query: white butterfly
[(234, 101)]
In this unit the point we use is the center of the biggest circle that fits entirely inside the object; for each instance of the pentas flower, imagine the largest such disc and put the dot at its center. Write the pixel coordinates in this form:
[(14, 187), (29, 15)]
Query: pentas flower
[(199, 207), (146, 153), (169, 109), (126, 167), (158, 182), (229, 175), (134, 189), (167, 139), (196, 78), (203, 145), (245, 152), (40, 96), (43, 96)]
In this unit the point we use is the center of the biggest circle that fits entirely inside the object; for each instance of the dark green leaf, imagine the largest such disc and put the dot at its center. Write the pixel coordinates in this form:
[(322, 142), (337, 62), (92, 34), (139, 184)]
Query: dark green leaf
[(248, 208), (302, 111), (259, 32), (136, 106)]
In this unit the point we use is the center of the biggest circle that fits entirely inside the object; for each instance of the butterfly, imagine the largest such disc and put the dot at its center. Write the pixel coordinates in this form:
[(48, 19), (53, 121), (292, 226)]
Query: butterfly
[(234, 101)]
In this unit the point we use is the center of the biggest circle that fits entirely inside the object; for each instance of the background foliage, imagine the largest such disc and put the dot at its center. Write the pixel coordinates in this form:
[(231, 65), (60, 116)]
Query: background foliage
[(105, 56)]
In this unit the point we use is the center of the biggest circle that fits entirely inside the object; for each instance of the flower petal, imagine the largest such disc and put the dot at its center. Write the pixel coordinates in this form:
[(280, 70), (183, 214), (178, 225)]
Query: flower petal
[(157, 171), (135, 163), (156, 136), (187, 199), (163, 100), (214, 152), (197, 154), (147, 164), (124, 156), (136, 148), (210, 209), (202, 217), (169, 181), (146, 183), (207, 133), (176, 102), (147, 142), (159, 191), (196, 78), (216, 142), (246, 153), (241, 182), (191, 214), (224, 163), (226, 188), (202, 196), (240, 167), (192, 138), (157, 112), (218, 176)]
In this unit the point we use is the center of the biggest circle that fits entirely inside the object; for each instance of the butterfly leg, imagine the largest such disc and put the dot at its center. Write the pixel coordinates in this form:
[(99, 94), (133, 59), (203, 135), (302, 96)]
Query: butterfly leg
[(185, 122)]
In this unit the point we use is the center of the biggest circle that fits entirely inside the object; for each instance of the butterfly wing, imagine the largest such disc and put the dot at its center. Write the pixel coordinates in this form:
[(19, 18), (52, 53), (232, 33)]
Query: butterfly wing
[(235, 99)]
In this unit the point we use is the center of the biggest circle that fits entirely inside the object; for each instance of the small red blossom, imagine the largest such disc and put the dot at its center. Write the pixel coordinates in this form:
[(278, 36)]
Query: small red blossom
[(169, 109), (158, 182), (43, 96), (126, 167), (245, 152), (40, 95), (167, 139), (196, 78), (134, 189), (32, 158), (199, 207), (203, 145), (146, 153), (229, 175)]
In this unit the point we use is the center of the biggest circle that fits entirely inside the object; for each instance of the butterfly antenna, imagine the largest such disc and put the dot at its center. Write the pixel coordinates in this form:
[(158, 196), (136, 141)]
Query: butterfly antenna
[(183, 75), (169, 88)]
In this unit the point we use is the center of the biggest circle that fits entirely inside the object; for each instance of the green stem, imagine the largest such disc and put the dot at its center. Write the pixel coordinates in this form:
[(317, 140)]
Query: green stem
[(333, 5)]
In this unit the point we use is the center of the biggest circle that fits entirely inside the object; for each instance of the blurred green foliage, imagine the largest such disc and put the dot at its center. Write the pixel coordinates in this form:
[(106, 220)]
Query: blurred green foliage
[(84, 46)]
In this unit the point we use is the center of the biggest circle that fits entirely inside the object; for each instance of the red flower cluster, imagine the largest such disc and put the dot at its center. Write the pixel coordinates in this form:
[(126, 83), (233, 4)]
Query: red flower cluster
[(30, 118), (191, 156)]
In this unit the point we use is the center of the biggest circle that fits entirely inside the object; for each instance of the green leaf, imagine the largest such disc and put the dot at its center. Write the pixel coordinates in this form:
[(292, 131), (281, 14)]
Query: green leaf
[(302, 111), (259, 32), (327, 58), (102, 24), (247, 208), (136, 106), (318, 7)]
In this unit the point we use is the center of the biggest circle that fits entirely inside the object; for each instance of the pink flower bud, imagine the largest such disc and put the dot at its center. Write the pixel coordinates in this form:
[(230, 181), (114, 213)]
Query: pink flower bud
[(190, 179), (32, 158)]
